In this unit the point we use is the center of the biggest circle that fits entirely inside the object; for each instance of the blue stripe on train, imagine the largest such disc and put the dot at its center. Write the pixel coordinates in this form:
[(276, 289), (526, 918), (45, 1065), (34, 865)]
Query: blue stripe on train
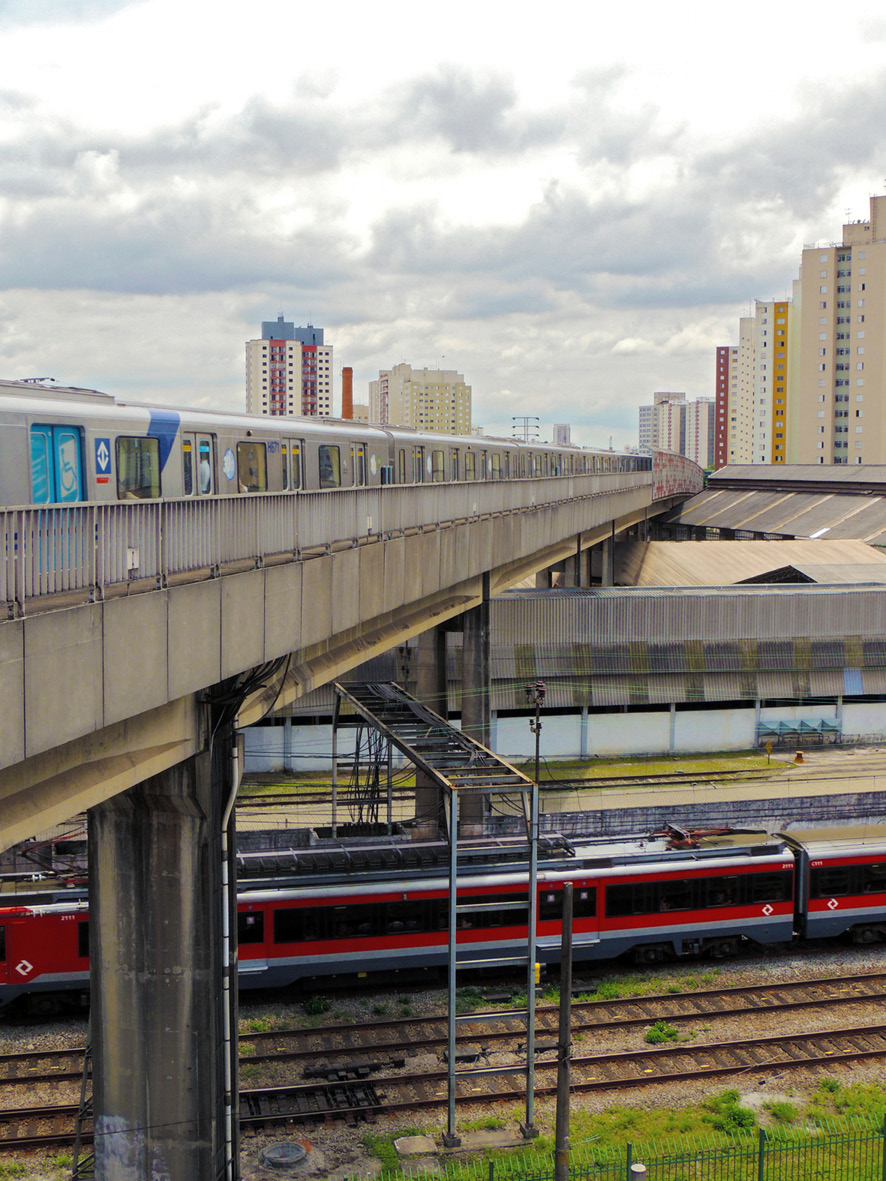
[(163, 427)]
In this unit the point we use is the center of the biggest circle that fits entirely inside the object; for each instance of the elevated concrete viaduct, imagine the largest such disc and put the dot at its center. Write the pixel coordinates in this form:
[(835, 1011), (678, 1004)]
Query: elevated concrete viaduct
[(120, 695)]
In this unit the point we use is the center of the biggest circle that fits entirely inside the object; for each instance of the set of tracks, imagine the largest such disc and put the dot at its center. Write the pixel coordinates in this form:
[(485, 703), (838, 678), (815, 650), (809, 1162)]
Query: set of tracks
[(354, 1073)]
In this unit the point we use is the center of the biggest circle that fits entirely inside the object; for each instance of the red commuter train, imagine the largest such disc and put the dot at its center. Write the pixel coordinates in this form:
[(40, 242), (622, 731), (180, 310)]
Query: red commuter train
[(645, 899)]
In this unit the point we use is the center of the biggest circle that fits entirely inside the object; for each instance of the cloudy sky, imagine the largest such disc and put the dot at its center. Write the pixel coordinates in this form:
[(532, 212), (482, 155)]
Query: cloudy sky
[(571, 203)]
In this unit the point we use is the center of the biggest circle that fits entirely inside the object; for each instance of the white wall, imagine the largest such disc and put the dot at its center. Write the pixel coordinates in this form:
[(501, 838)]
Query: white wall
[(867, 717), (714, 729)]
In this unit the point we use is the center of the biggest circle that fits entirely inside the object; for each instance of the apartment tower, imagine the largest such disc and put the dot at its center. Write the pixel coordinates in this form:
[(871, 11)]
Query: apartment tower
[(289, 371)]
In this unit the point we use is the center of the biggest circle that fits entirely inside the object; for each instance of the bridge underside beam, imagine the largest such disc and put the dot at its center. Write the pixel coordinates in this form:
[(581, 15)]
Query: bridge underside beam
[(50, 788)]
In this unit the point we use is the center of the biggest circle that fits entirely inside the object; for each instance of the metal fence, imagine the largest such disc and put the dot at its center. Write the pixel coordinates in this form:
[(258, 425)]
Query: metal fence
[(91, 547), (853, 1151)]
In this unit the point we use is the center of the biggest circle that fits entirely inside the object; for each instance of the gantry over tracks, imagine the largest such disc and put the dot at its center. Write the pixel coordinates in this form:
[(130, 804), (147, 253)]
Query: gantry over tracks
[(457, 767)]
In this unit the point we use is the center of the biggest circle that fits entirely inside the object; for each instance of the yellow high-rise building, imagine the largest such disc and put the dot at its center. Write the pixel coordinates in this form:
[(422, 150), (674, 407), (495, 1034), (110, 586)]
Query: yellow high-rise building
[(426, 399)]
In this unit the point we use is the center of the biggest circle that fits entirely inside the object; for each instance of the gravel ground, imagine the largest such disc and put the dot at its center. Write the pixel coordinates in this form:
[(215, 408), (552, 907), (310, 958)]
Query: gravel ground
[(337, 1152)]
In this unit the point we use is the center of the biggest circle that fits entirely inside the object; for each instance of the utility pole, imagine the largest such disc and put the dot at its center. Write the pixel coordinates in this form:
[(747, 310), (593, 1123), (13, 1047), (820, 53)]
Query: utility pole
[(535, 695), (564, 1042)]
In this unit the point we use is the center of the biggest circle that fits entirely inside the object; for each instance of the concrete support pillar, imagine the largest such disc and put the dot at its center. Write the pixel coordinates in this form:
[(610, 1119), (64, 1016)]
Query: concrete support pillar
[(475, 697), (431, 690), (606, 554), (543, 580), (163, 1028)]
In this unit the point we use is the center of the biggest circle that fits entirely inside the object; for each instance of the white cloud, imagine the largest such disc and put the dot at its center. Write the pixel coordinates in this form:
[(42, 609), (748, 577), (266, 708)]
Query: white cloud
[(571, 210)]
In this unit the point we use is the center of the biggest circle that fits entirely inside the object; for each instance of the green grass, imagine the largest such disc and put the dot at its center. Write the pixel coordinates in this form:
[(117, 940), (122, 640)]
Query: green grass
[(659, 1033), (309, 783), (714, 1123)]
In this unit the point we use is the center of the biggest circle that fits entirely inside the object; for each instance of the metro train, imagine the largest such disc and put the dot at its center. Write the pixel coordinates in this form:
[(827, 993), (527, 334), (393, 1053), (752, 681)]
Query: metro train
[(643, 899), (60, 445)]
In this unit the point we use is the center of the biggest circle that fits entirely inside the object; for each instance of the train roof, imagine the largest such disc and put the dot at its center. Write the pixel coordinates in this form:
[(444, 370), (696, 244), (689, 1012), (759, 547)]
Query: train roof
[(849, 840)]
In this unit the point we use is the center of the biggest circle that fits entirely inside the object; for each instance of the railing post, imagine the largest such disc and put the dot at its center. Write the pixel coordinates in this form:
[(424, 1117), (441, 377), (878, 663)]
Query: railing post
[(883, 1150), (761, 1155), (629, 1148)]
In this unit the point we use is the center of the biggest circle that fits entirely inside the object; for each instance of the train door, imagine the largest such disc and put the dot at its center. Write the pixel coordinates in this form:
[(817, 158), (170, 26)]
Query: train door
[(4, 964), (453, 465), (296, 448), (418, 465), (358, 464), (56, 464), (198, 465)]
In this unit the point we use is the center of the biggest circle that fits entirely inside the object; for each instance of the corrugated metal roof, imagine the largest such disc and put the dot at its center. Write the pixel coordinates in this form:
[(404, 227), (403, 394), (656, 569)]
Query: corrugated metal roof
[(863, 474), (704, 563), (795, 514)]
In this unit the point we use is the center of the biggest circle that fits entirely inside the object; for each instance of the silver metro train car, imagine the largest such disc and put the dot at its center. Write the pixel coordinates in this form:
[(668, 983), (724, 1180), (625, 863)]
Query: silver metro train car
[(60, 445)]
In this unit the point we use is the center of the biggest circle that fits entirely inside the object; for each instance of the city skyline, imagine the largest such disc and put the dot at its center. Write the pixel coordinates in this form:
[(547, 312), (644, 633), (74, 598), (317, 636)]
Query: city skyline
[(573, 221)]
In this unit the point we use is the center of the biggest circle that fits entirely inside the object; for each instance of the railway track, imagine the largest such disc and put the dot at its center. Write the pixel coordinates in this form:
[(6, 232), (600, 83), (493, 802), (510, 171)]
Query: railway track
[(360, 1099), (352, 1073), (348, 799), (376, 1042)]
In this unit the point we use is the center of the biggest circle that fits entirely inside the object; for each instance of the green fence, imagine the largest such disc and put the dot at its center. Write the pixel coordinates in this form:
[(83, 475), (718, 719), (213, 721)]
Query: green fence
[(852, 1151)]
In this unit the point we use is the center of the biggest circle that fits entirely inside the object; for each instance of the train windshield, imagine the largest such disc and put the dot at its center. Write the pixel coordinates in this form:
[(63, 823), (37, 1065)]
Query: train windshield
[(138, 468)]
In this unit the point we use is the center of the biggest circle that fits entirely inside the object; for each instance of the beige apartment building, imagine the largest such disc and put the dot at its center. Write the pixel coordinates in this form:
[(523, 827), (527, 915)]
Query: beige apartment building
[(807, 381), (426, 399), (289, 371), (838, 402)]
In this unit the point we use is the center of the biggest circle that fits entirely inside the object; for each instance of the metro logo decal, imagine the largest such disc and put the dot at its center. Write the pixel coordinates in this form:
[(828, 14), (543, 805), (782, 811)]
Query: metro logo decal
[(24, 968), (102, 461)]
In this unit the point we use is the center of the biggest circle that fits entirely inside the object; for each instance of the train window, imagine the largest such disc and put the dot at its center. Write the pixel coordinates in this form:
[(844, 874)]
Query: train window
[(252, 467), (830, 882), (188, 467), (470, 469), (83, 940), (358, 464), (404, 917), (438, 467), (480, 911), (676, 895), (138, 469), (873, 879), (770, 887), (296, 447), (294, 925), (453, 465), (401, 466), (284, 466), (495, 465), (251, 926), (205, 465), (631, 898), (722, 891), (329, 459)]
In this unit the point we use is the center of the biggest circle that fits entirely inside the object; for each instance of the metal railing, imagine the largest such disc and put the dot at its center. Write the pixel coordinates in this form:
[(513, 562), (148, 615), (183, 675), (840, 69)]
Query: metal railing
[(89, 548)]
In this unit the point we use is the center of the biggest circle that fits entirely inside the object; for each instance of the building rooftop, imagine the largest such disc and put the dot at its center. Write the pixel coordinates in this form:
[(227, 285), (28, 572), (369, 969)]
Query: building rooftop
[(715, 563)]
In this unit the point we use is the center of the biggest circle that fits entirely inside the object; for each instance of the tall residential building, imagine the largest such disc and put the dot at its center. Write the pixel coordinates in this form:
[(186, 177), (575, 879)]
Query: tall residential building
[(427, 399), (663, 424), (562, 434), (726, 380), (698, 443), (838, 403), (289, 371), (752, 382), (807, 383)]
